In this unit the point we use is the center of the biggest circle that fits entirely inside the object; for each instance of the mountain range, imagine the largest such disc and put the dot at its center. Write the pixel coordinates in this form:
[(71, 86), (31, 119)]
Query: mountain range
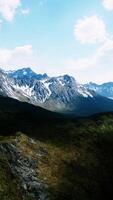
[(105, 89), (61, 94)]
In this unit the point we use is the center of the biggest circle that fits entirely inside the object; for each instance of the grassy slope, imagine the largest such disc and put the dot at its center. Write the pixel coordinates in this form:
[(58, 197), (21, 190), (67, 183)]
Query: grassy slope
[(79, 162)]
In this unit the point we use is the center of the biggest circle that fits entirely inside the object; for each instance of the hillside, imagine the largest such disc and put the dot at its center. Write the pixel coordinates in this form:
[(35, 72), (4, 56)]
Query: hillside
[(20, 116), (66, 159)]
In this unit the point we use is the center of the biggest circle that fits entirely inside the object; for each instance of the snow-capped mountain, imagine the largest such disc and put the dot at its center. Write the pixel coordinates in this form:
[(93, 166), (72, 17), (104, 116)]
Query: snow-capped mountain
[(55, 93), (7, 87), (105, 89), (61, 94), (6, 83)]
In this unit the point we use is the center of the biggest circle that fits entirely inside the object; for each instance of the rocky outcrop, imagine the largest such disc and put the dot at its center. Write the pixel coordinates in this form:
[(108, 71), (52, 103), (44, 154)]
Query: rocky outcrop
[(25, 168)]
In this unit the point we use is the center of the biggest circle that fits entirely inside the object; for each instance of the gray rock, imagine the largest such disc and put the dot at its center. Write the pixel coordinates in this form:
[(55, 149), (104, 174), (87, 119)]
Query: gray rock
[(25, 169)]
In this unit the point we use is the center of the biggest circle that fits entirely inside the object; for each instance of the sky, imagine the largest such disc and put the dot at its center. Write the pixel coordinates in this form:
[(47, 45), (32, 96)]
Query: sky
[(58, 37)]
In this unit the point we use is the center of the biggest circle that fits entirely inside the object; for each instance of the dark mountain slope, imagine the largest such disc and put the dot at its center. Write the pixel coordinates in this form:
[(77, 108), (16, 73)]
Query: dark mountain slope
[(89, 106), (19, 116), (28, 111)]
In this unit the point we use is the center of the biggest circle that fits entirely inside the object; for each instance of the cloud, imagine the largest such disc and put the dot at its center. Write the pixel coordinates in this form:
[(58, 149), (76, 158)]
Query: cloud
[(8, 8), (90, 30), (18, 57), (104, 52), (96, 67), (108, 4)]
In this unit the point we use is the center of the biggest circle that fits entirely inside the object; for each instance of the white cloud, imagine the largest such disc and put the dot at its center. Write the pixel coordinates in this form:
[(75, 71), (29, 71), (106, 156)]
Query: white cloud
[(108, 4), (8, 8), (97, 67), (21, 56), (90, 30), (103, 53)]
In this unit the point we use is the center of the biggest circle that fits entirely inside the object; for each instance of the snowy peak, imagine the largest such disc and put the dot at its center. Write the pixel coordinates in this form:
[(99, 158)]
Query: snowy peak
[(26, 73), (105, 89), (39, 88), (83, 91), (69, 79)]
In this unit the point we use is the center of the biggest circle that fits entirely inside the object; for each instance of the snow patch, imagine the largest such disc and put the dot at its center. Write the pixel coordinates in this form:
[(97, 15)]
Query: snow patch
[(47, 87), (60, 79), (24, 72), (84, 92), (26, 90)]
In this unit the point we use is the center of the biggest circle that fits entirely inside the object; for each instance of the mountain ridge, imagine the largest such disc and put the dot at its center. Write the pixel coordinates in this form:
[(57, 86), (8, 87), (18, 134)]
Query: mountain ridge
[(61, 94), (104, 89)]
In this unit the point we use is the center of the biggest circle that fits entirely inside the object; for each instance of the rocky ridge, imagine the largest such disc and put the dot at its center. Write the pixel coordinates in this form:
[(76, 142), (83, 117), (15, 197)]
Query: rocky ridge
[(62, 94), (25, 167)]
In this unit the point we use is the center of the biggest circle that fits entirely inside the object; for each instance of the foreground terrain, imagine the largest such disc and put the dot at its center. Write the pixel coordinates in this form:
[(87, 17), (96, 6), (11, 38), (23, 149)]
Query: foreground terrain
[(46, 156)]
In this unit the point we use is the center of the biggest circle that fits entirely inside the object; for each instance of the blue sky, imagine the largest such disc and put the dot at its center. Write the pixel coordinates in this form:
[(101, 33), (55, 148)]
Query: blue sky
[(58, 37)]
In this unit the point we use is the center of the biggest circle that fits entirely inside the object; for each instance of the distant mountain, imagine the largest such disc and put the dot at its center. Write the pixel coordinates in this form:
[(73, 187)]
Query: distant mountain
[(105, 89), (60, 94)]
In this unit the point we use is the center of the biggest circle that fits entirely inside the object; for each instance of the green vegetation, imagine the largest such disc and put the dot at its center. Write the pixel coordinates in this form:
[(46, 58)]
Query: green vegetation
[(9, 186), (78, 163)]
